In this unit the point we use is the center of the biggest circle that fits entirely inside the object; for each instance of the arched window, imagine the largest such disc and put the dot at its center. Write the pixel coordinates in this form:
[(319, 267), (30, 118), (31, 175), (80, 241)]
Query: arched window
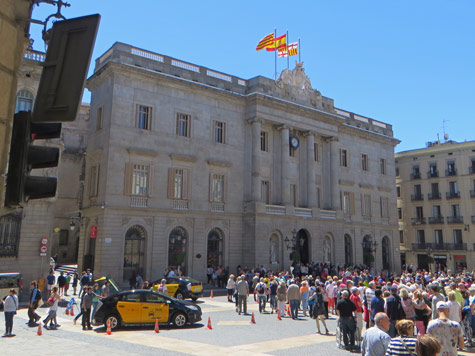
[(386, 251), (24, 101), (134, 251), (302, 245), (177, 248), (215, 248), (367, 244), (348, 250)]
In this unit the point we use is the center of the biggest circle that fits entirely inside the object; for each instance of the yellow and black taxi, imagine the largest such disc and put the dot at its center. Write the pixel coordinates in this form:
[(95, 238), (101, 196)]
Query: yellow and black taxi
[(181, 287), (144, 307)]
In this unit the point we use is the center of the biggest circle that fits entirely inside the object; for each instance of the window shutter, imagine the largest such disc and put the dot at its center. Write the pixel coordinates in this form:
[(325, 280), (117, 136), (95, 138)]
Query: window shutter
[(352, 203), (186, 184), (171, 183), (341, 200), (211, 187), (128, 179)]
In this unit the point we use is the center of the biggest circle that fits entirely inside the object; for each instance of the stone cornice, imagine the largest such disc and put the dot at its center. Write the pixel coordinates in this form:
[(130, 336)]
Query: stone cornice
[(366, 186), (183, 158), (348, 183), (141, 152), (385, 189), (219, 163)]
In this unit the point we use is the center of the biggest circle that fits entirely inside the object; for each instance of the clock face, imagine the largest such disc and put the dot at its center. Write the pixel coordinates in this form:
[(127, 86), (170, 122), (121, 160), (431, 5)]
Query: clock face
[(294, 141)]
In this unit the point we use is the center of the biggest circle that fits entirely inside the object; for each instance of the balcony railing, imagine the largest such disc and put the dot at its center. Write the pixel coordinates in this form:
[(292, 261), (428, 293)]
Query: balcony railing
[(434, 196), (217, 207), (416, 175), (418, 221), (138, 202), (417, 197), (450, 172), (433, 174), (180, 204), (452, 195), (454, 219), (327, 214), (472, 193), (275, 209), (439, 247), (436, 220), (303, 212)]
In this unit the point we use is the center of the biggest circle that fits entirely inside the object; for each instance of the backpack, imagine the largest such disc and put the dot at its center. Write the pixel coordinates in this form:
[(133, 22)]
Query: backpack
[(261, 289), (38, 295)]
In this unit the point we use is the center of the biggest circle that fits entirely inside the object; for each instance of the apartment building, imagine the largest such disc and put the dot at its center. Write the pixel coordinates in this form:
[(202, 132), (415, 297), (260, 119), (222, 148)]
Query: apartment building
[(187, 166), (436, 205)]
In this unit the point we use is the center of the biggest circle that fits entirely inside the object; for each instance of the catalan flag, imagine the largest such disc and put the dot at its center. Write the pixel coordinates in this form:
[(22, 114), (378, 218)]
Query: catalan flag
[(279, 43), (293, 49), (265, 42)]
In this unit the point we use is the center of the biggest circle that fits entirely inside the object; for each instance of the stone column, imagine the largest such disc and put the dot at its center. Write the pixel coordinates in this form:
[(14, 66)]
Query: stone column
[(285, 162), (326, 174), (334, 163), (256, 151), (311, 188)]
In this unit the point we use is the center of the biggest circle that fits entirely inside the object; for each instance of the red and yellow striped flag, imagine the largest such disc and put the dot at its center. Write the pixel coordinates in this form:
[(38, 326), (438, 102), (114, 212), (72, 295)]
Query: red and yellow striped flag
[(278, 42), (265, 42), (293, 49)]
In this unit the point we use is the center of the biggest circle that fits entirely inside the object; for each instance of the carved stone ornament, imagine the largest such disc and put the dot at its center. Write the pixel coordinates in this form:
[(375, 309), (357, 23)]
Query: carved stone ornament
[(125, 220), (295, 77), (148, 221)]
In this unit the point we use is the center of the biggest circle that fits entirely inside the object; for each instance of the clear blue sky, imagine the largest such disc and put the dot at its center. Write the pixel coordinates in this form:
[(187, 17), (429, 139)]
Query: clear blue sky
[(408, 63)]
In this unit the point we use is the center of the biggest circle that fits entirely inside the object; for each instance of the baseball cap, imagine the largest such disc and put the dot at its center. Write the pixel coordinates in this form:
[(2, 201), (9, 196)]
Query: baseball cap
[(442, 305)]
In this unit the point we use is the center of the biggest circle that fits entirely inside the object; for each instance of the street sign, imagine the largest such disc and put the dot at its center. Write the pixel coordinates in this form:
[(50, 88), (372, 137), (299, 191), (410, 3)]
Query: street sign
[(44, 246), (93, 231)]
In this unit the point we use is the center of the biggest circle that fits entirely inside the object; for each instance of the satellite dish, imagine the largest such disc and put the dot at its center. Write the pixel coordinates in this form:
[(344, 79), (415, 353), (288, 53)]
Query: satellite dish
[(446, 137)]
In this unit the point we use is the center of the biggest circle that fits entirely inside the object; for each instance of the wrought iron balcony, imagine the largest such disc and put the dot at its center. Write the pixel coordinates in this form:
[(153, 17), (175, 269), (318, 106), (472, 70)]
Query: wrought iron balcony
[(432, 174), (417, 197), (418, 221), (452, 195), (454, 219), (450, 172), (434, 196), (439, 247), (416, 175), (436, 220)]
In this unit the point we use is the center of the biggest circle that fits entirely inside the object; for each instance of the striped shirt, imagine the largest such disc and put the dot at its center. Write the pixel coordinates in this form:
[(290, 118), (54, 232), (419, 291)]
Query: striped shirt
[(396, 347)]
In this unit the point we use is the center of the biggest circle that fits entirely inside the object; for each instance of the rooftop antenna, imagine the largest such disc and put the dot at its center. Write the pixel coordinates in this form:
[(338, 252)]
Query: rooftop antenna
[(446, 135)]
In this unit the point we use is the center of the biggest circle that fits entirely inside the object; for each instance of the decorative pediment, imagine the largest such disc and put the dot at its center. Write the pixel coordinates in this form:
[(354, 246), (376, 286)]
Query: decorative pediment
[(183, 158), (219, 163), (295, 77)]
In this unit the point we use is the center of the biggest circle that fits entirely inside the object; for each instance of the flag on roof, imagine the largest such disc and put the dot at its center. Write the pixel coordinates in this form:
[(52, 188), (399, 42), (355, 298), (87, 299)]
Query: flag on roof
[(293, 49), (265, 42), (279, 43), (283, 53)]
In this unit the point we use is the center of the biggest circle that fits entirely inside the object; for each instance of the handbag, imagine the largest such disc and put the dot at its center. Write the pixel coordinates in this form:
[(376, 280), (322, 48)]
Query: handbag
[(407, 348)]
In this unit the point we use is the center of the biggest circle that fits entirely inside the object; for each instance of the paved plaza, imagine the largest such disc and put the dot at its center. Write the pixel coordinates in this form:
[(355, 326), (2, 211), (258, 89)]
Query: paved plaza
[(232, 334)]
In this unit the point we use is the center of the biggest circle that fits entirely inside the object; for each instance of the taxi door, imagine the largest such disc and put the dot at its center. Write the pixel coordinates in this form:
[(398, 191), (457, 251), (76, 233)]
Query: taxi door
[(130, 308), (154, 307)]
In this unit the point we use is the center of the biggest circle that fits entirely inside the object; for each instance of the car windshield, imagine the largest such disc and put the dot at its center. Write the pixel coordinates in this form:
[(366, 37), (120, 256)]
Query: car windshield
[(188, 279)]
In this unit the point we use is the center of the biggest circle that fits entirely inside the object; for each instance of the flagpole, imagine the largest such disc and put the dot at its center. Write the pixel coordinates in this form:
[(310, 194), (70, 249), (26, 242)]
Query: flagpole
[(300, 52), (275, 54), (287, 47)]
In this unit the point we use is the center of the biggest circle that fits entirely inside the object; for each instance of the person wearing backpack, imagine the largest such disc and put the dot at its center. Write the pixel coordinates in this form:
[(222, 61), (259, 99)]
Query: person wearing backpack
[(52, 302), (394, 309), (33, 304), (261, 291)]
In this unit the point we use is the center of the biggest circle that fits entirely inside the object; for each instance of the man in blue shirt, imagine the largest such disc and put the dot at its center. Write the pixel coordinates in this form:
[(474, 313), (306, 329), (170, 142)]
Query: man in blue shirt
[(51, 279), (376, 339), (377, 304)]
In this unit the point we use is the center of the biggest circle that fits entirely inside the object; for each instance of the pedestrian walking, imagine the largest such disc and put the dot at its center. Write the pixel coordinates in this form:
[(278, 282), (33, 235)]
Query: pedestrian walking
[(10, 306), (33, 304), (293, 296), (52, 302)]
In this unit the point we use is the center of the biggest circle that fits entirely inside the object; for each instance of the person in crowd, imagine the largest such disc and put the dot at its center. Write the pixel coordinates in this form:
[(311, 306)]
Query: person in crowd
[(243, 293), (33, 304), (376, 339), (105, 290), (230, 287), (405, 343), (96, 294), (394, 309), (75, 282), (86, 305), (407, 304), (51, 279), (273, 285), (10, 306), (422, 313), (52, 302), (344, 310), (376, 305), (61, 283), (293, 296), (68, 282), (261, 291), (436, 298), (318, 309), (427, 345), (455, 311), (448, 332), (355, 298), (82, 294), (281, 297), (304, 295), (162, 288), (369, 294)]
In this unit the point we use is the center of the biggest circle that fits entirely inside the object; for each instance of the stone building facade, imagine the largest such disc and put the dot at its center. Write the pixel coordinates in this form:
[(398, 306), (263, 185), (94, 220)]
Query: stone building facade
[(187, 166), (436, 205)]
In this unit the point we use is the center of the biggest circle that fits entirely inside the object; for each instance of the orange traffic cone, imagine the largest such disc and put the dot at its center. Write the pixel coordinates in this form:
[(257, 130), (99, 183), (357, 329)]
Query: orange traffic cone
[(278, 315), (157, 329), (288, 310), (67, 311), (109, 329), (211, 295), (71, 312), (40, 330), (253, 321), (209, 324)]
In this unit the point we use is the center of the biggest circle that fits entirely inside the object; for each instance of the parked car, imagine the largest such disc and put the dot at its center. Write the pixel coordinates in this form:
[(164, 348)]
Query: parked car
[(144, 307), (182, 287), (9, 281)]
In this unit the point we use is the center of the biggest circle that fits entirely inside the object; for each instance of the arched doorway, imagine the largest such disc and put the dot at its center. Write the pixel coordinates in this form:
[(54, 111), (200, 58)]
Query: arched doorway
[(134, 251), (348, 250), (367, 244), (177, 248), (327, 249), (386, 253), (274, 250), (215, 248), (302, 246)]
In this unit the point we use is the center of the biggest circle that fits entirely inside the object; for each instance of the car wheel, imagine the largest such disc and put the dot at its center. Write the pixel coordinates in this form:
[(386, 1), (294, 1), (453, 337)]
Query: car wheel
[(194, 299), (179, 319), (179, 296), (114, 321)]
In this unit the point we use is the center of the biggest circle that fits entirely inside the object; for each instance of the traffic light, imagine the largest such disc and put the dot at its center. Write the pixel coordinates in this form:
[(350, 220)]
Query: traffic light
[(24, 157)]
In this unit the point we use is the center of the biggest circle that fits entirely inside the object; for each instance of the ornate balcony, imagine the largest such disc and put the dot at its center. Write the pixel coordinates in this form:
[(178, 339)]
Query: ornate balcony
[(450, 172), (439, 247), (452, 195), (138, 202), (417, 197), (303, 212), (416, 175), (217, 207), (454, 219), (275, 209), (418, 221), (433, 174), (436, 220), (434, 196), (180, 204)]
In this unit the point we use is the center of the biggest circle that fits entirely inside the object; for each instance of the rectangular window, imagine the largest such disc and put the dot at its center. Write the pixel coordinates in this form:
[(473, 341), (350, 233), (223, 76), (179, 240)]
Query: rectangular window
[(219, 132), (140, 179), (293, 194), (416, 173), (265, 191), (396, 169), (99, 119), (399, 213), (384, 202), (433, 170), (264, 141), (436, 212), (143, 118), (451, 170), (10, 227), (366, 205), (458, 237), (318, 198), (315, 152), (217, 188), (178, 184), (421, 237), (419, 212), (401, 236), (382, 166), (453, 188), (398, 191), (364, 162), (455, 209), (346, 203), (183, 125), (434, 189), (343, 158), (417, 190), (94, 181), (439, 237)]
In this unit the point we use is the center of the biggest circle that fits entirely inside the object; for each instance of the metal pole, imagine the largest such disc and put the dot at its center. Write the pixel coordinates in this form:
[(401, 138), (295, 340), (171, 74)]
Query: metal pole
[(286, 45), (275, 54), (300, 52)]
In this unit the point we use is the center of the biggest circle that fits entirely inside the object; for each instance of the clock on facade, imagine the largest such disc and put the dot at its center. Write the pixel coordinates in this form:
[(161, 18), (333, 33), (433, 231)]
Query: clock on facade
[(294, 142)]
